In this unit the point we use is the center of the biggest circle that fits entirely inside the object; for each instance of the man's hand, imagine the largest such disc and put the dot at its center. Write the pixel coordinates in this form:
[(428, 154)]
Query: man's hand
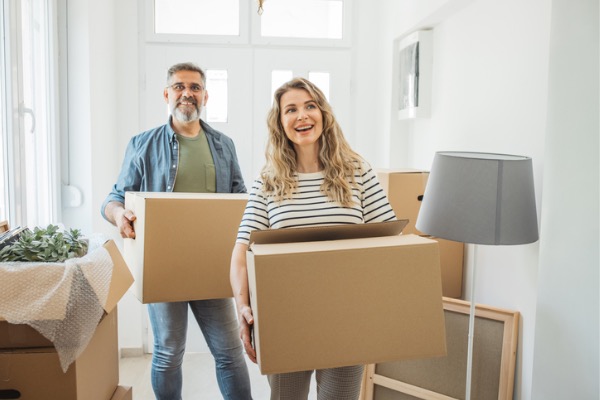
[(121, 218), (124, 222)]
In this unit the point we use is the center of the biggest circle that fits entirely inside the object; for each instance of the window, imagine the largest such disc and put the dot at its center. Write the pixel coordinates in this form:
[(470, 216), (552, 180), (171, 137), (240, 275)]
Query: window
[(197, 21), (320, 23), (216, 85), (4, 126), (321, 79), (315, 19), (278, 78), (282, 22), (197, 17), (29, 176)]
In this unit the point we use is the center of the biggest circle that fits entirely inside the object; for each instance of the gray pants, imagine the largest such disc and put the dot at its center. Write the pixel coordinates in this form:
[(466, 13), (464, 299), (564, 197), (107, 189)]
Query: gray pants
[(332, 384)]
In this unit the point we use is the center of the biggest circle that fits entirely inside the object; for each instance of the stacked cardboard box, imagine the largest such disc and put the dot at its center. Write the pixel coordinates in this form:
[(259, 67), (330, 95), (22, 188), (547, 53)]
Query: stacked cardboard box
[(361, 294), (405, 189), (182, 250), (30, 367)]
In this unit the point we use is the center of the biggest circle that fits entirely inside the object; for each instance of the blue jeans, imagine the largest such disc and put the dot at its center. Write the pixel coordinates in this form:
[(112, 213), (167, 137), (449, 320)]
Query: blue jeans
[(219, 325)]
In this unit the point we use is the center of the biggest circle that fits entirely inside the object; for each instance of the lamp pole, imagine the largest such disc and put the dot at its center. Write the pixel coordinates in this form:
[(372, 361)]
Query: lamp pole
[(471, 327)]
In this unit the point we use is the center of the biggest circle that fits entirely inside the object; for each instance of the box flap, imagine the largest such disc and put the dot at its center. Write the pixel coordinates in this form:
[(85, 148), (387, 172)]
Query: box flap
[(121, 277), (330, 232), (122, 393), (325, 246), (188, 196), (400, 171)]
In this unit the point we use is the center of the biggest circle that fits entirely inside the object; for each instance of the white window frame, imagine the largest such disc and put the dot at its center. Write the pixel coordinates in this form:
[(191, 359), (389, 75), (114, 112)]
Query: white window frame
[(13, 126), (249, 30)]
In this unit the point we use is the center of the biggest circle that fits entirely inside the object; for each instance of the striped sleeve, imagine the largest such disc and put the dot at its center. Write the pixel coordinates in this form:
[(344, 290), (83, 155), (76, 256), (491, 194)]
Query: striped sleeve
[(375, 204), (255, 215)]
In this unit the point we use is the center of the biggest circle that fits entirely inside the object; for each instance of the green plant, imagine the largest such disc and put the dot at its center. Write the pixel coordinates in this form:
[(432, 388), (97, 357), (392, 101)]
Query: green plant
[(45, 245)]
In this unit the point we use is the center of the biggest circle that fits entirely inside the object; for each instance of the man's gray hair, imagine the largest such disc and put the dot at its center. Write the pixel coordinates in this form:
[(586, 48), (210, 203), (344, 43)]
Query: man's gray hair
[(187, 66)]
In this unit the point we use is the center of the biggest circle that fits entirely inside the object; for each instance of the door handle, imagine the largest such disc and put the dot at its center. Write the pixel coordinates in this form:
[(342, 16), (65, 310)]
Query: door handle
[(25, 110)]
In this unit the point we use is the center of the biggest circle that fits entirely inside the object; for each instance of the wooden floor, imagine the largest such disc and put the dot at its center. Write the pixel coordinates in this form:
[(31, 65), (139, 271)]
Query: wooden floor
[(199, 380)]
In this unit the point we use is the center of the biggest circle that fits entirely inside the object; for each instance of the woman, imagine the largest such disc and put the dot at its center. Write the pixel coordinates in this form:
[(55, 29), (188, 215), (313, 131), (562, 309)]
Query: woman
[(311, 177)]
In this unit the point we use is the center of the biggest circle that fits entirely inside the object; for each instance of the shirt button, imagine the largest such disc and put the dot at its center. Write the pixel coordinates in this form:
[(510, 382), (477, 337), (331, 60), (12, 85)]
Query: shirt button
[(173, 166), (168, 187)]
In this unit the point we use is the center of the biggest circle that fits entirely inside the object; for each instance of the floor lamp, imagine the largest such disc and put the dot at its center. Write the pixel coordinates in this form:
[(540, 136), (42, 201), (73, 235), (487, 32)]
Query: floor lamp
[(479, 198)]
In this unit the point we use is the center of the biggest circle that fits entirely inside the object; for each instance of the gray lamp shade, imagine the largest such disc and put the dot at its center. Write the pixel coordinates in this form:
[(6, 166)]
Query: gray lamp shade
[(480, 198)]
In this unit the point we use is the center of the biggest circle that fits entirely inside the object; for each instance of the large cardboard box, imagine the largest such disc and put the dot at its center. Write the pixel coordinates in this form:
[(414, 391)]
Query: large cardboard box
[(405, 189), (182, 250), (24, 336), (36, 374), (123, 393), (331, 303)]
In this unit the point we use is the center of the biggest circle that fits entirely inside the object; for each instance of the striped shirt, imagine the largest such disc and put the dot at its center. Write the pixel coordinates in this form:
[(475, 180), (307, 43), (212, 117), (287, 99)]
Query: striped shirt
[(308, 206)]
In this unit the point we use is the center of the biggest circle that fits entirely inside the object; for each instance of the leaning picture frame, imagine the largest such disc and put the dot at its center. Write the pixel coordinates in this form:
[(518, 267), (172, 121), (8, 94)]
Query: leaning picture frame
[(412, 74), (444, 378)]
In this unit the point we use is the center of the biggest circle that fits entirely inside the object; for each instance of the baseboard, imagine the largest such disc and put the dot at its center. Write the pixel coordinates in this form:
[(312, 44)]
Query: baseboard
[(131, 352)]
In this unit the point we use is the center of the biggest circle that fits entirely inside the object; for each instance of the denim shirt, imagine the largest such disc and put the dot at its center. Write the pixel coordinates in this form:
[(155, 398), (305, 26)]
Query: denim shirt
[(151, 160)]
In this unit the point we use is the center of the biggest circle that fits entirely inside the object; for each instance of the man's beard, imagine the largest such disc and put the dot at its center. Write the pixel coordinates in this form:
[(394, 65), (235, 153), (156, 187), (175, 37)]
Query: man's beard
[(187, 115)]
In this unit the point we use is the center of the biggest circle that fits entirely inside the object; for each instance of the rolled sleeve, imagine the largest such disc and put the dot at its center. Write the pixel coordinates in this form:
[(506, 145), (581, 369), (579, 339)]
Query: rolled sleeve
[(129, 179)]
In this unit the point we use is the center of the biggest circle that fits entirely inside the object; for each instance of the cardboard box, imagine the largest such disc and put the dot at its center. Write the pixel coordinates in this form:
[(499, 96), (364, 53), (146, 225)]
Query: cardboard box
[(344, 302), (20, 336), (32, 372), (36, 374), (182, 250), (451, 262), (24, 336), (405, 189), (123, 393)]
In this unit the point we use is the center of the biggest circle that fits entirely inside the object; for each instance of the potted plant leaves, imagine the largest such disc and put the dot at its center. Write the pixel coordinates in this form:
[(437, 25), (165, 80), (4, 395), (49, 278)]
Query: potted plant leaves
[(50, 244)]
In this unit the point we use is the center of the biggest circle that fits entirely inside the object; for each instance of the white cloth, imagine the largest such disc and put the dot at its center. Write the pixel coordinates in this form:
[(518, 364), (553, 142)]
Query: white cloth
[(62, 301)]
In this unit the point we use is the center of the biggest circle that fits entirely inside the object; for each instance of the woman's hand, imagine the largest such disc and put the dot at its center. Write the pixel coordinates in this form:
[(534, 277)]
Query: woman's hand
[(239, 285), (246, 325)]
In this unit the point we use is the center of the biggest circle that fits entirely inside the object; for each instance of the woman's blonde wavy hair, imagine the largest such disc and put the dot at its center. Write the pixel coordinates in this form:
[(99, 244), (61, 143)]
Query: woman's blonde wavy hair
[(335, 155)]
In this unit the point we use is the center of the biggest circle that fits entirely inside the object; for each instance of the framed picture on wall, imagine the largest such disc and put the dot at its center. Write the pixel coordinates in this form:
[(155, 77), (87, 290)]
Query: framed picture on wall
[(413, 63)]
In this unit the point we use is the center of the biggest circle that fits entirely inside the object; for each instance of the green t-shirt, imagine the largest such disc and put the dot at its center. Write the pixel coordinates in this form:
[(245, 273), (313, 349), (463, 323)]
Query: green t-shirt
[(196, 169)]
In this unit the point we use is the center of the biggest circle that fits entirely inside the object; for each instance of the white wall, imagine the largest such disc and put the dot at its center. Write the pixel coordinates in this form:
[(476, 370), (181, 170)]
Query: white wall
[(490, 93), (103, 114), (367, 90), (565, 364)]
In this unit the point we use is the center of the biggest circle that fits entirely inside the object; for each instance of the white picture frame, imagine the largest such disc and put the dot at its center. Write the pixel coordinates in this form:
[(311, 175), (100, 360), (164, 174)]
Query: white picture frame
[(413, 68)]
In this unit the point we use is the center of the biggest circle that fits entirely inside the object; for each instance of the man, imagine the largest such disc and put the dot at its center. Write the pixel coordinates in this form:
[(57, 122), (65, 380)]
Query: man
[(184, 155)]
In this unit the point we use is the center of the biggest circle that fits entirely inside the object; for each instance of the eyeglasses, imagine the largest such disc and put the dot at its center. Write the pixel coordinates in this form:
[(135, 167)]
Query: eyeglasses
[(180, 87)]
